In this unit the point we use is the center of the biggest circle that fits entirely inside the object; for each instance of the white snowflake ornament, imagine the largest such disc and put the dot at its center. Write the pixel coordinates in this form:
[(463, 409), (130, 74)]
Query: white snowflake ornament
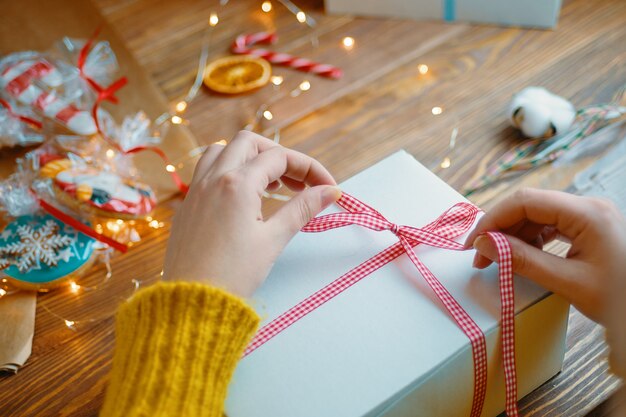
[(4, 261), (5, 234), (39, 252), (36, 245)]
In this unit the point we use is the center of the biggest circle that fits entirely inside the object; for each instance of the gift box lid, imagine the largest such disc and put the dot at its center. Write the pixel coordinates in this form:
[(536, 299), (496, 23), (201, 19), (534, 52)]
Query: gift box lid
[(527, 13), (367, 347)]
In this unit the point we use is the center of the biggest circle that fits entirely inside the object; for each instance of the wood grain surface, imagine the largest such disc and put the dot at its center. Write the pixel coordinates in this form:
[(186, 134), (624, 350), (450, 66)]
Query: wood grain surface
[(381, 105)]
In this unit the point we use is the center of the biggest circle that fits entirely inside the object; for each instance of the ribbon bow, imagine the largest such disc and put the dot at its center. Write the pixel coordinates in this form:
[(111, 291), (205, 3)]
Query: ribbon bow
[(440, 234), (104, 93)]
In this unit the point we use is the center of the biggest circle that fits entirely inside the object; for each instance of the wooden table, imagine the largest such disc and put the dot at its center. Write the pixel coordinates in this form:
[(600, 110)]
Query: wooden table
[(381, 105)]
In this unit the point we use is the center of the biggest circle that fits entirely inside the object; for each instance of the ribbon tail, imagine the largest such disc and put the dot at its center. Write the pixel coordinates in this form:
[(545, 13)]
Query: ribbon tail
[(308, 305), (507, 299), (473, 332)]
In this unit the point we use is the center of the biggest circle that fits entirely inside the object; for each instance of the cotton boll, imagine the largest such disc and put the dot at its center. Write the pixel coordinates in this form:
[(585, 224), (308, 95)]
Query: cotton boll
[(539, 113), (534, 121)]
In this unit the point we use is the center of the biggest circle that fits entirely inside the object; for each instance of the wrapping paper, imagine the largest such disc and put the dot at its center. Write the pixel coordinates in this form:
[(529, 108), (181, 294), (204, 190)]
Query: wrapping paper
[(16, 332)]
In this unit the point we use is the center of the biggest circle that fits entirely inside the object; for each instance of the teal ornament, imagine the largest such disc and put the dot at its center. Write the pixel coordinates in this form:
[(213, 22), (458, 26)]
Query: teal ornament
[(38, 251)]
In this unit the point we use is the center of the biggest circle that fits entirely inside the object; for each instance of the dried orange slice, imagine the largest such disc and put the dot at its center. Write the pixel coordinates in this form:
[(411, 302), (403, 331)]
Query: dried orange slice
[(237, 74)]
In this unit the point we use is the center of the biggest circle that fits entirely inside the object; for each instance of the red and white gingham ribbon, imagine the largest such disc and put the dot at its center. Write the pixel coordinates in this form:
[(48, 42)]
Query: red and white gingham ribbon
[(243, 43), (440, 233)]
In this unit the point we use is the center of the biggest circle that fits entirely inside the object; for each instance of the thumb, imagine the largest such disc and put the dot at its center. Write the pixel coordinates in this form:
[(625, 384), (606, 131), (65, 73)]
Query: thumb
[(550, 271), (303, 207)]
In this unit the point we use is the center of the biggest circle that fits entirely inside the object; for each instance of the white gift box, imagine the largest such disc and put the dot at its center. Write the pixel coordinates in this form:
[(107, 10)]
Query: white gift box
[(529, 13), (386, 346)]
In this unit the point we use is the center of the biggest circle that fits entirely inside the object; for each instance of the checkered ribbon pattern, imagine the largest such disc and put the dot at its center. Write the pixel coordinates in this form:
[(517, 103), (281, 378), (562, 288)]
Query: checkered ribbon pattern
[(243, 43), (440, 234)]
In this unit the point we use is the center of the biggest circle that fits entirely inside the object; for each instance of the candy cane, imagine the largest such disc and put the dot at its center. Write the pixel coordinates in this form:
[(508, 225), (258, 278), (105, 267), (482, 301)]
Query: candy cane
[(242, 46), (19, 81)]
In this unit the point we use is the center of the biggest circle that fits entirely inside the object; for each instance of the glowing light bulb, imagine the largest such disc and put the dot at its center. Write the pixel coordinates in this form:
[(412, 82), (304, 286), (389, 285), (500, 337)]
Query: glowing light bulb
[(348, 42), (422, 68), (110, 153), (181, 106), (213, 19), (266, 6), (170, 168), (113, 226), (268, 115), (301, 17), (305, 85), (74, 287), (2, 292), (70, 324), (119, 221), (177, 120), (437, 110), (277, 79), (446, 163), (154, 224)]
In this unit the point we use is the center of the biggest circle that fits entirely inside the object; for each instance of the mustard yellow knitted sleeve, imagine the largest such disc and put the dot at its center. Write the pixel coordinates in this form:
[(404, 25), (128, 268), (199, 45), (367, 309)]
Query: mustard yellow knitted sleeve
[(177, 345)]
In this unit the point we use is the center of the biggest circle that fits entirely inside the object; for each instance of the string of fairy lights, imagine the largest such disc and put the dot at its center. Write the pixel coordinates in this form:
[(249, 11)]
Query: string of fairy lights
[(126, 230)]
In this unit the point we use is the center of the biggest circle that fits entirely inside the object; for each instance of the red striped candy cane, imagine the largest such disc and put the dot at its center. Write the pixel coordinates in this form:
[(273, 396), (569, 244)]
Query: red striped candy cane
[(19, 81), (243, 43)]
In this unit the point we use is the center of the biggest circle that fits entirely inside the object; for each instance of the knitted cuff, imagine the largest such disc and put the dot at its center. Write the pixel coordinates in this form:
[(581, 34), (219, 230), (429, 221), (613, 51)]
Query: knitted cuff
[(177, 347)]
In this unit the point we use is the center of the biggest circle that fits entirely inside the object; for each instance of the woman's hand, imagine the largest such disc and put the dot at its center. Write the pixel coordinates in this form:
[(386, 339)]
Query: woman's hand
[(219, 236), (595, 263)]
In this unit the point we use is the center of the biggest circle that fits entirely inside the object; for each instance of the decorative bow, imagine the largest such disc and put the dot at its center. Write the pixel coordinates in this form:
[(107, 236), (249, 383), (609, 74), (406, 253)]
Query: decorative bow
[(103, 93), (440, 234)]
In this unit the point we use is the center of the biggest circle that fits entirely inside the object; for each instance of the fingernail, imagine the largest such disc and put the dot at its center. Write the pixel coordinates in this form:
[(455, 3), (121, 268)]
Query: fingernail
[(331, 194), (475, 261), (485, 247), (221, 142)]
